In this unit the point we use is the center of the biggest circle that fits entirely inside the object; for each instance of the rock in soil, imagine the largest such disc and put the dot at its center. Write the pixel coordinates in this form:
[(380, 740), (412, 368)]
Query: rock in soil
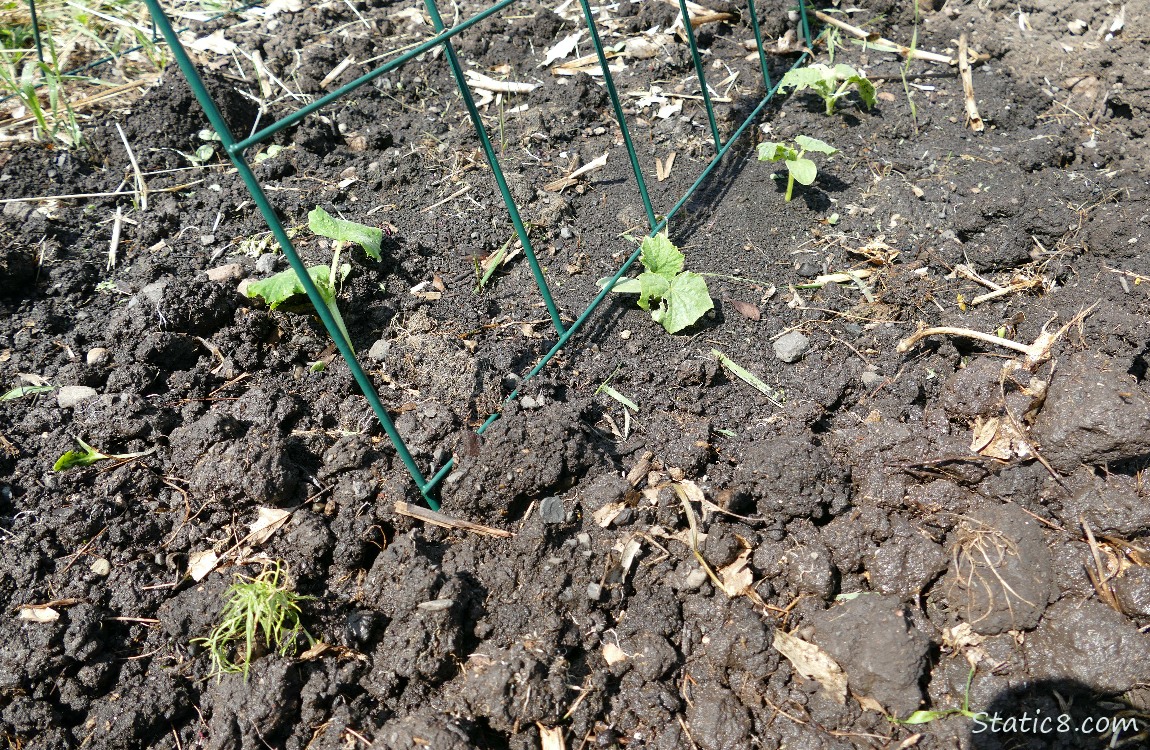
[(791, 347), (1090, 643), (1132, 589), (1091, 416), (882, 653), (790, 477), (1001, 576)]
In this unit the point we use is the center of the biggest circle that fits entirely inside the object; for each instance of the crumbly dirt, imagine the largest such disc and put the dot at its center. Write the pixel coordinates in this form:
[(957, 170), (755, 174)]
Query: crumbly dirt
[(914, 514)]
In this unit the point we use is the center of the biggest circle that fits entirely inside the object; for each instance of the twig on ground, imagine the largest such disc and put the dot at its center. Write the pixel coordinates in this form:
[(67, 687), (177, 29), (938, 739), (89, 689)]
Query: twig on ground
[(1099, 577), (973, 118), (447, 522)]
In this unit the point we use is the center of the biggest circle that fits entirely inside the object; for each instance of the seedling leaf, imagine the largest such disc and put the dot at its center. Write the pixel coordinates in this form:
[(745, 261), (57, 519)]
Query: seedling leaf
[(686, 301), (682, 296), (651, 286), (814, 144), (324, 224), (771, 151), (26, 390), (803, 170), (661, 256), (275, 290), (84, 457)]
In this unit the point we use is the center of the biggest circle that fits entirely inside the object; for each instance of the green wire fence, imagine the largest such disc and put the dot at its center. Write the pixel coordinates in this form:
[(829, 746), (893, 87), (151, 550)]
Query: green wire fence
[(443, 38)]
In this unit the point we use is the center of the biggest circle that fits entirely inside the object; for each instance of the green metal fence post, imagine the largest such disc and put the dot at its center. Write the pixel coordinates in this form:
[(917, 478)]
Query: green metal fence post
[(221, 127), (759, 44), (690, 32), (496, 170), (36, 31), (609, 81)]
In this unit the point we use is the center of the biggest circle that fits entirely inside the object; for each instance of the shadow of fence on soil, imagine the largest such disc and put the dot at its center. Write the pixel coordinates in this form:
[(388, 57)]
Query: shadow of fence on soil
[(565, 327)]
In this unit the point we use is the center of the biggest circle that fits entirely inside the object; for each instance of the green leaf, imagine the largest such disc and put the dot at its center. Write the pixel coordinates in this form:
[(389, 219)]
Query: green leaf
[(622, 286), (866, 90), (26, 390), (652, 286), (803, 170), (925, 717), (204, 152), (844, 72), (618, 397), (275, 290), (326, 225), (661, 256), (807, 143), (802, 78), (771, 151), (685, 302), (72, 459)]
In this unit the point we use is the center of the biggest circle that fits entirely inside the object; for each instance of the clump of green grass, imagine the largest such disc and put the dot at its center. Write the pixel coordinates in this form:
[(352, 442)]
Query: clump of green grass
[(261, 606), (35, 57)]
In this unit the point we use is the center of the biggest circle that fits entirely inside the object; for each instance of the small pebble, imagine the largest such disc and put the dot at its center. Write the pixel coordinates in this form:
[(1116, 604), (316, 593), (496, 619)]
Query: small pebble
[(101, 567), (97, 356), (266, 264), (584, 539), (551, 510), (1077, 27), (594, 591), (527, 402), (378, 351), (791, 347), (71, 395), (696, 578), (436, 605), (624, 517), (625, 335), (225, 272)]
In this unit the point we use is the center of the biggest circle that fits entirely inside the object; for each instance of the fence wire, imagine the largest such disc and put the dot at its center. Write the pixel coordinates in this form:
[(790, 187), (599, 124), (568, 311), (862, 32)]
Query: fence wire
[(237, 148)]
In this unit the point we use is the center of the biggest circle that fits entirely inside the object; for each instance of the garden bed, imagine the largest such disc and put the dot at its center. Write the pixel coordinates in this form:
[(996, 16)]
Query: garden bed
[(915, 510)]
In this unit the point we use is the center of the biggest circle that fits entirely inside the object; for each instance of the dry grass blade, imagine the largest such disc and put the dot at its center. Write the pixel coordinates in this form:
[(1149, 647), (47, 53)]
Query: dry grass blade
[(1099, 578), (438, 519), (747, 377)]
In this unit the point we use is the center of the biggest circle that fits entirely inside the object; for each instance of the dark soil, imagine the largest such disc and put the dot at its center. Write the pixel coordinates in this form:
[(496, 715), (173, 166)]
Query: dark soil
[(882, 520)]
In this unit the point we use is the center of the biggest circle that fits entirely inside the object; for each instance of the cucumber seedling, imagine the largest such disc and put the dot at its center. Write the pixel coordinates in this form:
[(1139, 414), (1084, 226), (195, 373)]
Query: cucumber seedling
[(676, 298), (799, 168), (275, 290), (831, 82)]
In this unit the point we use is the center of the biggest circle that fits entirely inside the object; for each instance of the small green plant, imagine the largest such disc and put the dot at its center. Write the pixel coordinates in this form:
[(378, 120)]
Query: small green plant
[(21, 391), (275, 290), (264, 605), (799, 168), (676, 298), (925, 717), (830, 82), (87, 455)]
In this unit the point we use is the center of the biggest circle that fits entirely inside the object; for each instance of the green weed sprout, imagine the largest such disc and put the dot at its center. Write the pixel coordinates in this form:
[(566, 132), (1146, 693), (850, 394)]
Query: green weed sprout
[(263, 605), (87, 455), (830, 82), (275, 290), (676, 298), (799, 168)]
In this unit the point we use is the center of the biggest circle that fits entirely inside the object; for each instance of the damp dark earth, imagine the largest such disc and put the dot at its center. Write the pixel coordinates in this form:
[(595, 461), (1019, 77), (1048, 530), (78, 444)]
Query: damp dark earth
[(888, 493)]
